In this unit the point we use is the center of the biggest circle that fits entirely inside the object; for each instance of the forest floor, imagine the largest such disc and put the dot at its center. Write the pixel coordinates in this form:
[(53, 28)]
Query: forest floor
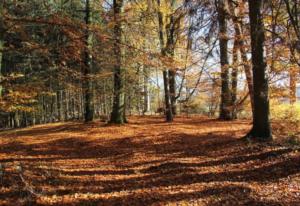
[(194, 161)]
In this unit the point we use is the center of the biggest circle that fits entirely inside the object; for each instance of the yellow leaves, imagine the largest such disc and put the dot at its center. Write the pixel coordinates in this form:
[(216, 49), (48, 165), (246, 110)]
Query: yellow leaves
[(268, 20), (165, 7), (136, 6), (6, 106), (18, 100), (48, 93), (12, 76)]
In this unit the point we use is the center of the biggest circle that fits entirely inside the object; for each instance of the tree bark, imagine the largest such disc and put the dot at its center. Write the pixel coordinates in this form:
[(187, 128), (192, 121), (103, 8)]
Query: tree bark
[(261, 129), (170, 53), (1, 43), (59, 105), (241, 46), (168, 111), (87, 82), (117, 114), (226, 104), (234, 79), (1, 56), (293, 85), (146, 108), (172, 85)]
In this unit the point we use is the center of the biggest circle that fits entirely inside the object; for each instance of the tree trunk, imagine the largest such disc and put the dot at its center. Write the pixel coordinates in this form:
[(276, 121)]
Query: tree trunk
[(87, 83), (146, 108), (1, 56), (117, 114), (261, 125), (170, 48), (172, 84), (226, 104), (80, 108), (293, 85), (73, 106), (241, 45), (43, 112), (52, 108), (66, 113), (105, 110), (1, 43), (168, 111), (234, 79), (60, 105)]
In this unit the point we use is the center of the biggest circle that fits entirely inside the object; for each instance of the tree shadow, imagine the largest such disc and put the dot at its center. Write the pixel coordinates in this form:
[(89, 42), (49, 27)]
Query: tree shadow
[(69, 148), (171, 148), (222, 195)]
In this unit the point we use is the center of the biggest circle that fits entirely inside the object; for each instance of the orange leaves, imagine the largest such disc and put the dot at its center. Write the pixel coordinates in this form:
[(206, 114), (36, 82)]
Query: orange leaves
[(18, 100), (194, 161)]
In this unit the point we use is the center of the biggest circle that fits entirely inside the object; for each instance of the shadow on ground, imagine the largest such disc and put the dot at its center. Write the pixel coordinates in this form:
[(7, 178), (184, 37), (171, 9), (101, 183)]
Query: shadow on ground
[(202, 168)]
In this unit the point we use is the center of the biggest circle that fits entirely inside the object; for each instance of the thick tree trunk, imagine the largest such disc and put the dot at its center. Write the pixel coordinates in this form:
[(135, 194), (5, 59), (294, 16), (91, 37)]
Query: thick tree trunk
[(169, 113), (87, 82), (170, 48), (172, 84), (226, 104), (168, 107), (117, 114), (1, 43), (261, 125), (1, 55)]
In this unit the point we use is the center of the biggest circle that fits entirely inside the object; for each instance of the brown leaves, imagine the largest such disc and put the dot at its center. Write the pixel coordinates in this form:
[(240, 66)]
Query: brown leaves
[(194, 161)]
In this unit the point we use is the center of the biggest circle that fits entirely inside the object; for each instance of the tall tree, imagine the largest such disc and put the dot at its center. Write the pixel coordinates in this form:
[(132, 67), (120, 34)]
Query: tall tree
[(166, 79), (170, 47), (1, 41), (118, 110), (87, 82), (234, 79), (146, 107), (293, 9), (226, 100), (241, 44), (261, 129), (293, 84)]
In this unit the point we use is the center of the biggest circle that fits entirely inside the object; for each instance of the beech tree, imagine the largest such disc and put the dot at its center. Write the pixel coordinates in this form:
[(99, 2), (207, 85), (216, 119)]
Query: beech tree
[(118, 110), (87, 82), (261, 123), (226, 99), (166, 73), (1, 42), (240, 44)]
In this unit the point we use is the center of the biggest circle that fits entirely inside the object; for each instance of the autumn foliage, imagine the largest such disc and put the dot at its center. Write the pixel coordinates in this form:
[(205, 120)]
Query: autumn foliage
[(194, 160)]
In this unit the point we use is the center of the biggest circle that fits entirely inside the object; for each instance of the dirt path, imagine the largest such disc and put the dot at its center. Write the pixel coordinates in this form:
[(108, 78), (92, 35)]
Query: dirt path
[(194, 161)]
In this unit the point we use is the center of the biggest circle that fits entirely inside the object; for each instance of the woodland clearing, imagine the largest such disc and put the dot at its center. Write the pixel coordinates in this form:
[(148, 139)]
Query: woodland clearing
[(193, 161)]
